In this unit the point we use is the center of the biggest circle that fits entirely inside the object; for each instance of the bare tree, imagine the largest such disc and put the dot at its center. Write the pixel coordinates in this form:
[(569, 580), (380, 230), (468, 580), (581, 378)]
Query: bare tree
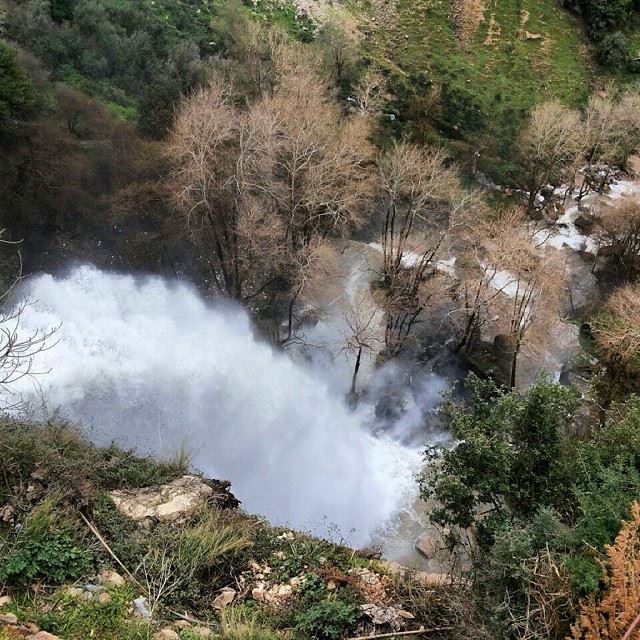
[(530, 282), (416, 189), (548, 147), (257, 184), (617, 329), (618, 235), (18, 350), (362, 319), (370, 92), (339, 48)]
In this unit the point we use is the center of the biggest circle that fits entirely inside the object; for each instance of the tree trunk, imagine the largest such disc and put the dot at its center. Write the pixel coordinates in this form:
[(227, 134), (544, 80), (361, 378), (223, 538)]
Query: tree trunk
[(514, 365), (355, 371)]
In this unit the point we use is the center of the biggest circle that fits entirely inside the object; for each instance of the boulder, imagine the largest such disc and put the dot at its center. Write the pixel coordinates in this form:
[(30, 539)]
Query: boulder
[(172, 502), (426, 545)]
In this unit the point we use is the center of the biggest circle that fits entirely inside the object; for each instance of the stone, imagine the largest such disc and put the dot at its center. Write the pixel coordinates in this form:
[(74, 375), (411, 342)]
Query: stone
[(166, 634), (74, 592), (104, 597), (110, 577), (406, 615), (203, 632), (532, 36), (5, 600), (42, 635), (7, 513), (172, 502), (9, 618), (224, 598), (141, 608)]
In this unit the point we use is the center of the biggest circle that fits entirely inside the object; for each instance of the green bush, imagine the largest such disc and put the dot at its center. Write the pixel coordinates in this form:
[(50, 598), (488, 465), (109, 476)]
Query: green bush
[(511, 455), (328, 619)]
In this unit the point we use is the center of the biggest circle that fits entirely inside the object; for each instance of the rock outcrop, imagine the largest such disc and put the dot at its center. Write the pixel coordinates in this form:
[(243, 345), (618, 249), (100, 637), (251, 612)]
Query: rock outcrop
[(175, 501)]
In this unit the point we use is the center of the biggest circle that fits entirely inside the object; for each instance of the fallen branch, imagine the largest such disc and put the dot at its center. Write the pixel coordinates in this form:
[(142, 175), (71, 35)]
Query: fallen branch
[(397, 634), (110, 551), (631, 629)]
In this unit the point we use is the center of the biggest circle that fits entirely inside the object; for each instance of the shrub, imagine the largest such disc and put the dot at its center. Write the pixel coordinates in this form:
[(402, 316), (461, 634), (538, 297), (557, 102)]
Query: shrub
[(613, 51)]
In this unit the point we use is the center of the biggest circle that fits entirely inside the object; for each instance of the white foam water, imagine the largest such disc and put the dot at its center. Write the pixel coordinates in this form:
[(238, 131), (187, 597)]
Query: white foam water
[(149, 364)]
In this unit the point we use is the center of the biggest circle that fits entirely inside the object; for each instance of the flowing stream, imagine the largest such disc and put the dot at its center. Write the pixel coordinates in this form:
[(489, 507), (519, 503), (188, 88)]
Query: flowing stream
[(148, 363)]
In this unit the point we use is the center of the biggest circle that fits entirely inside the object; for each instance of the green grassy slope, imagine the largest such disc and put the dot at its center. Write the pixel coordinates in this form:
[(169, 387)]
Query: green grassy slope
[(490, 79)]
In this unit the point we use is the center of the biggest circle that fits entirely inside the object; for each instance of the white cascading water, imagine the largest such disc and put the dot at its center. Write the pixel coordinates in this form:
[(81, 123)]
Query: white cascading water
[(149, 364)]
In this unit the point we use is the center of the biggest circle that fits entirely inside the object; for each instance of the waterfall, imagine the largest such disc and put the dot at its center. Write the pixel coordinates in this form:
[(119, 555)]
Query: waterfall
[(148, 363)]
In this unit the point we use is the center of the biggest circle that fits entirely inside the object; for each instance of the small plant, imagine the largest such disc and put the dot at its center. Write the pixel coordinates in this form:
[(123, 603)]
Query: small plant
[(328, 619), (53, 559), (238, 624)]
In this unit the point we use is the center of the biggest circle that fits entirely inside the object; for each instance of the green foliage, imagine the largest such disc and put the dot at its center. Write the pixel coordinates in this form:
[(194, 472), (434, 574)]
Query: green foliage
[(509, 458), (16, 92), (322, 614), (330, 619), (603, 16), (238, 624), (53, 559)]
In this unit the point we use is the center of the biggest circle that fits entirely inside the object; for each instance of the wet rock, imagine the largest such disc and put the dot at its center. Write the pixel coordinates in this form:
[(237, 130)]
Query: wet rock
[(110, 577), (224, 598), (172, 502)]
